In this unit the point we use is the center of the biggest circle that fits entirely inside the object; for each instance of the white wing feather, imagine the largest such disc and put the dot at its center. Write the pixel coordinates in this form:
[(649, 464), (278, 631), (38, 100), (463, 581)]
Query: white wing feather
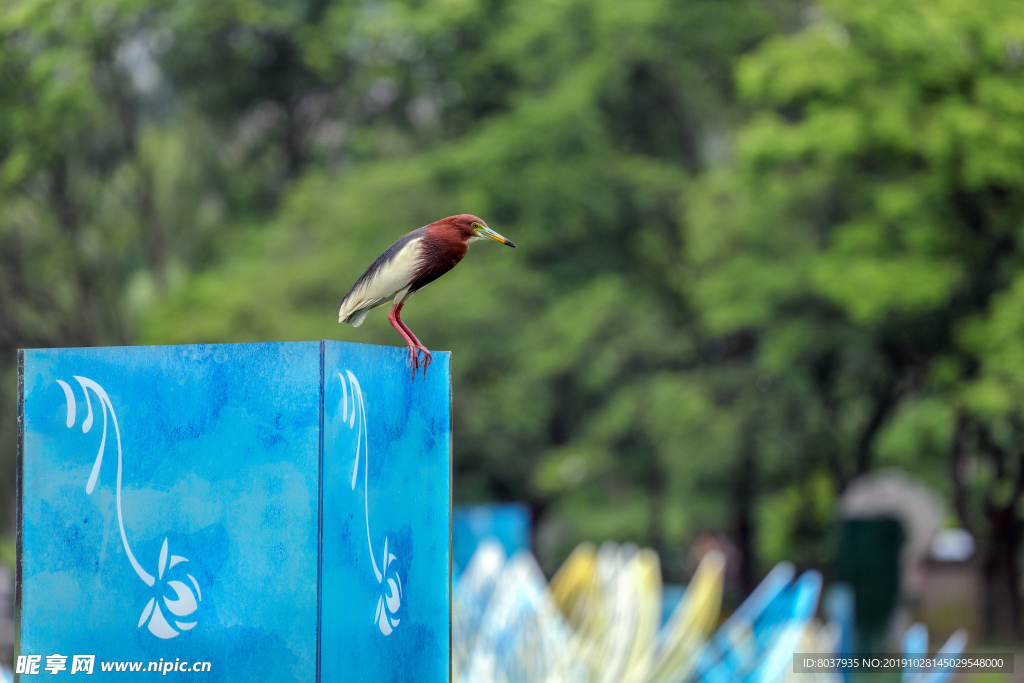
[(390, 281)]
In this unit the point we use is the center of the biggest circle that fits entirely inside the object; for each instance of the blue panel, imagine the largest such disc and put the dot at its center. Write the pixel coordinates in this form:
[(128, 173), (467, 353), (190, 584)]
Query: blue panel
[(509, 524), (198, 540), (386, 521)]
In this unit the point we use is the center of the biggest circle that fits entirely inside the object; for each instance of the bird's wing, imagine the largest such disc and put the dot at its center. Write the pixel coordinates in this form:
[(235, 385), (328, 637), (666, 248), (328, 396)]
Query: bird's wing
[(387, 276)]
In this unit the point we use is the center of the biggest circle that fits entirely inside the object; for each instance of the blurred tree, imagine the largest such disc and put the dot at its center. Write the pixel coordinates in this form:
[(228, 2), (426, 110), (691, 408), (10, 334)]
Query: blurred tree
[(80, 180), (133, 134), (863, 255), (572, 128), (700, 330)]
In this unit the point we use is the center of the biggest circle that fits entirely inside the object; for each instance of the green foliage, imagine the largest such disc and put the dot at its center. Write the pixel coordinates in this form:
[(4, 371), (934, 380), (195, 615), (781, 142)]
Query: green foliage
[(722, 309), (8, 551), (570, 353), (866, 237)]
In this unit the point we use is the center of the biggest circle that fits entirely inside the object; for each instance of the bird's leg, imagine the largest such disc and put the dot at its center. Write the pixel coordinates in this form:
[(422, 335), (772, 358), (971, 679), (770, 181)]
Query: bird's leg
[(396, 322), (419, 345)]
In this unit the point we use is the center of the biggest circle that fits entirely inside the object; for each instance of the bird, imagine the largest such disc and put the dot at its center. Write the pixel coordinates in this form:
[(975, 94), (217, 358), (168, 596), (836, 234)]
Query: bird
[(414, 261)]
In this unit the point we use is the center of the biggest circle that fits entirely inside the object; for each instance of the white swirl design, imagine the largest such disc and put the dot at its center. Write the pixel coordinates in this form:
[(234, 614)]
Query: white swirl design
[(353, 409), (183, 602)]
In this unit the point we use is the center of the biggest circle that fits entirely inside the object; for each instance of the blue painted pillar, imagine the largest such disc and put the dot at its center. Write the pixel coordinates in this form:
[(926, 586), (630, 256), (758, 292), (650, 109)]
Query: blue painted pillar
[(280, 511)]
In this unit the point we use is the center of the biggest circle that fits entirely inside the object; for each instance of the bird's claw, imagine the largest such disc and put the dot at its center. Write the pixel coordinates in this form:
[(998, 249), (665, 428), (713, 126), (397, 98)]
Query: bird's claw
[(414, 360), (427, 358)]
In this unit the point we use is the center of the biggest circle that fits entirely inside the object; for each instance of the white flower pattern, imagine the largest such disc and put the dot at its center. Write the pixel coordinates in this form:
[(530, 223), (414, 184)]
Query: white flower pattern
[(184, 601), (353, 409)]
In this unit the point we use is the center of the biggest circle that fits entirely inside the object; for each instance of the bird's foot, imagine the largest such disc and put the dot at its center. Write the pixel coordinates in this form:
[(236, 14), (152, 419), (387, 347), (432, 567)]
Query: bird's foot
[(426, 359), (414, 360)]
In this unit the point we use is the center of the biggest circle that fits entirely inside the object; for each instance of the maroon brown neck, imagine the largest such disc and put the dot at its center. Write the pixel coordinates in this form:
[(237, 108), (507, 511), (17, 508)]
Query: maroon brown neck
[(442, 247)]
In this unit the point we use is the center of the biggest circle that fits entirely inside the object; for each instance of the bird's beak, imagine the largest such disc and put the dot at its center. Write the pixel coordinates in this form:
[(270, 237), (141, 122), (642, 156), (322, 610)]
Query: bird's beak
[(491, 235)]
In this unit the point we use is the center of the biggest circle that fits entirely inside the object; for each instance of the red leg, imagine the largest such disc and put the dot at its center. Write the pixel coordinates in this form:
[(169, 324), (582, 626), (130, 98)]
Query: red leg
[(396, 322), (419, 346)]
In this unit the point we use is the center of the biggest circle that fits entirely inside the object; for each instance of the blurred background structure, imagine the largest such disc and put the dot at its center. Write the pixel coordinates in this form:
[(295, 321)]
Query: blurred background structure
[(767, 247)]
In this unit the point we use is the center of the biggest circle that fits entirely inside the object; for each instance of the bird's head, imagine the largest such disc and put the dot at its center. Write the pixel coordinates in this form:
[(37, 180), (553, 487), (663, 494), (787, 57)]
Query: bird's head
[(470, 228)]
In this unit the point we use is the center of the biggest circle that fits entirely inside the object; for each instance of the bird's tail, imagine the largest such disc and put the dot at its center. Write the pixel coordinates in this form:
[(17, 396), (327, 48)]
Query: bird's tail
[(346, 310), (355, 319), (355, 316)]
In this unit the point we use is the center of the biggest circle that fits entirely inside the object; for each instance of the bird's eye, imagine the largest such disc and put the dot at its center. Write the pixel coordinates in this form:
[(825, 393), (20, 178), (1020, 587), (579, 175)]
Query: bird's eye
[(477, 226)]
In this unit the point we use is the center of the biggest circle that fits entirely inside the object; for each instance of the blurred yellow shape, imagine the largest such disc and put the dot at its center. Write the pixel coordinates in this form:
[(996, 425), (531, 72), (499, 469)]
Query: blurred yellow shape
[(690, 625)]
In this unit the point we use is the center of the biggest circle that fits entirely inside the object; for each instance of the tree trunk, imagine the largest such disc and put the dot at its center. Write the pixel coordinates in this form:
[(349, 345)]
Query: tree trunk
[(657, 489), (884, 405), (743, 503), (153, 228), (1001, 576)]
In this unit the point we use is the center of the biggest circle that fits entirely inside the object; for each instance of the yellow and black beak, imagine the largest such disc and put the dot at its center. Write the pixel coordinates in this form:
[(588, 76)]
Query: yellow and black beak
[(484, 231)]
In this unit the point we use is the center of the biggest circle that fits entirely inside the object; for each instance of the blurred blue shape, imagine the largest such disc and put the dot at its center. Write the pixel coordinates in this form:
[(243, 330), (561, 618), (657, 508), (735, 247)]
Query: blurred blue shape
[(793, 612), (840, 611), (671, 596), (736, 643), (508, 524), (915, 642), (471, 595), (522, 635)]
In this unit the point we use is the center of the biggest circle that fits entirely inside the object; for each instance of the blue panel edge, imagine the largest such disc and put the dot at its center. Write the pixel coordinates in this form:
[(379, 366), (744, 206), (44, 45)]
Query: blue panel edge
[(19, 460), (320, 521)]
